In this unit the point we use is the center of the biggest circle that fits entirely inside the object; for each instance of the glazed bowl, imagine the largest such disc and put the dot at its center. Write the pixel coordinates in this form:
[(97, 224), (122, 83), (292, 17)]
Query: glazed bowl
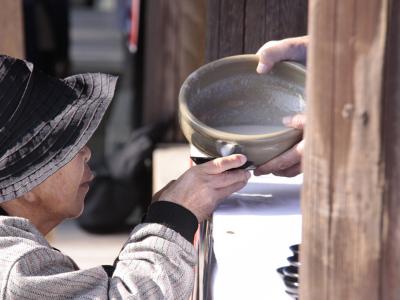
[(225, 107)]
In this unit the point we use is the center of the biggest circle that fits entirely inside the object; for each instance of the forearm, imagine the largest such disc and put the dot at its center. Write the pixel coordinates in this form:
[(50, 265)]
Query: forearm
[(156, 263)]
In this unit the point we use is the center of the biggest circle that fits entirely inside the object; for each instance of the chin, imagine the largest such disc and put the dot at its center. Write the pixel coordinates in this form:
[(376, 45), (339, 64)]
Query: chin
[(76, 212)]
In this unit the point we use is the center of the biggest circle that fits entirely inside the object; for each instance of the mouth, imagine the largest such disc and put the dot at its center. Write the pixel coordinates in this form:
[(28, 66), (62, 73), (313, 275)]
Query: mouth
[(88, 181)]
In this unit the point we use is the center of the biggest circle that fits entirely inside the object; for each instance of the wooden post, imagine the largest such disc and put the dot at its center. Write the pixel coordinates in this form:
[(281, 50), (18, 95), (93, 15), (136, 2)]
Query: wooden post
[(174, 47), (350, 206), (11, 29)]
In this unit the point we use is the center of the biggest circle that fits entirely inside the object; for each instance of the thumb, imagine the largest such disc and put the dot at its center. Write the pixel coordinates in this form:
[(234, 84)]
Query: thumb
[(269, 54)]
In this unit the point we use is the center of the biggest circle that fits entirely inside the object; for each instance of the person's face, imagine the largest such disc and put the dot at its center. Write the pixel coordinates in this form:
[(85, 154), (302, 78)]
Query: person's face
[(62, 194)]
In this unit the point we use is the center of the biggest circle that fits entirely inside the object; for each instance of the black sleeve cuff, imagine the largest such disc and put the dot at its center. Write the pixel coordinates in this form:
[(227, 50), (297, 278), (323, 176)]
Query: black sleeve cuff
[(173, 216)]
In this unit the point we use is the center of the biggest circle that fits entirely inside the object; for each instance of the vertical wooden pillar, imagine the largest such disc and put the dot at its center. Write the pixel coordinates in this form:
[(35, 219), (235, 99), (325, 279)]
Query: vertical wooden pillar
[(390, 263), (350, 201), (243, 26), (11, 28)]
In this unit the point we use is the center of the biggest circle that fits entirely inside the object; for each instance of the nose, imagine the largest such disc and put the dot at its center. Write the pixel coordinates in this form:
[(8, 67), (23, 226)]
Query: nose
[(87, 153)]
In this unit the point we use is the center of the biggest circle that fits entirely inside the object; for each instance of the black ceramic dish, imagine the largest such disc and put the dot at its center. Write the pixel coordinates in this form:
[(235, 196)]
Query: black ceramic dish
[(293, 295), (292, 287), (291, 284), (295, 249), (291, 271), (293, 261), (290, 274), (280, 272), (290, 280)]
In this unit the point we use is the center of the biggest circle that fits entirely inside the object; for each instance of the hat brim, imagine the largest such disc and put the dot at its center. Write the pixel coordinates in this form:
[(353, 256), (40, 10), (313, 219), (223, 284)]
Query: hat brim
[(59, 139)]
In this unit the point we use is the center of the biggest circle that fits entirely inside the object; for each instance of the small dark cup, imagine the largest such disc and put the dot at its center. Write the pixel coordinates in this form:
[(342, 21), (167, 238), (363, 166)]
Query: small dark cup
[(280, 272), (295, 249), (293, 261), (291, 285), (291, 271)]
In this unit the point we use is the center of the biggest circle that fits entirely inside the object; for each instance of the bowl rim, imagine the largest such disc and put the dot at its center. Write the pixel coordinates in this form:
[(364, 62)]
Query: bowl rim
[(218, 134)]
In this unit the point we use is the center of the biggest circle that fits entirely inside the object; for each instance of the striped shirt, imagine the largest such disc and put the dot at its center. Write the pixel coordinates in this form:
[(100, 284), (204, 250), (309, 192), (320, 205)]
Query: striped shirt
[(156, 262)]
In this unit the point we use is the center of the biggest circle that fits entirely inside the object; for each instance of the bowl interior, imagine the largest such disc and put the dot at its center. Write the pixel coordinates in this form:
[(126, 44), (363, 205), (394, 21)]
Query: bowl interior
[(228, 95)]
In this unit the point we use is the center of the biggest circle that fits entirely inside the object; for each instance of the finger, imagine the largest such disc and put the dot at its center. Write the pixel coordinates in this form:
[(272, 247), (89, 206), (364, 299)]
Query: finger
[(229, 190), (283, 161), (290, 172), (230, 177), (269, 54), (297, 121), (222, 164), (287, 49)]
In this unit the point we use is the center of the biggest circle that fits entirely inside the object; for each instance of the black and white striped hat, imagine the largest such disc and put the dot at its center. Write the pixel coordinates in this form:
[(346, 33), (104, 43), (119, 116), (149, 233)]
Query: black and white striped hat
[(44, 121)]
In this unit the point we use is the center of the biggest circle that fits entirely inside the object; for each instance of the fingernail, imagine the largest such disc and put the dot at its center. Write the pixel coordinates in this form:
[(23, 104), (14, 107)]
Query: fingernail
[(256, 173), (243, 158), (262, 68), (287, 120)]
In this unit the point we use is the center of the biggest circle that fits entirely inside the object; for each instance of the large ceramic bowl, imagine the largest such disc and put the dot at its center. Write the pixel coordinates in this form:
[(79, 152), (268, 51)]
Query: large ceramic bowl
[(226, 107)]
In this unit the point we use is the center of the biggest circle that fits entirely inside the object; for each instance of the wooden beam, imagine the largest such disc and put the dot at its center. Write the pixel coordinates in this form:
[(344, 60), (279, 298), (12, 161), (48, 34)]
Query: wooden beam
[(11, 28), (174, 47), (351, 240)]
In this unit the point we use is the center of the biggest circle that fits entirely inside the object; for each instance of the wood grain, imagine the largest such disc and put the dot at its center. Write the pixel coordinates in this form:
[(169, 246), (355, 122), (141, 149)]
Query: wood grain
[(231, 27), (254, 31), (243, 26), (174, 47), (350, 232)]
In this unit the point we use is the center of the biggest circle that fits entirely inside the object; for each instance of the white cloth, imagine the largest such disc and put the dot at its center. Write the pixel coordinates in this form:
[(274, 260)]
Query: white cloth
[(252, 232)]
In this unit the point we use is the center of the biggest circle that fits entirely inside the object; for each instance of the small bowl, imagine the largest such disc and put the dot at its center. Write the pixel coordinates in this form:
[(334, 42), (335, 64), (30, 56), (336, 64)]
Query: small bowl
[(293, 295), (291, 281), (295, 249), (280, 272), (291, 284), (225, 107), (292, 287), (291, 271), (293, 261)]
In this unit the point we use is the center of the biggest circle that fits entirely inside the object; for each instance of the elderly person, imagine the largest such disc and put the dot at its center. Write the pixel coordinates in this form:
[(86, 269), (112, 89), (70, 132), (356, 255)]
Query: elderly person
[(289, 163), (45, 124)]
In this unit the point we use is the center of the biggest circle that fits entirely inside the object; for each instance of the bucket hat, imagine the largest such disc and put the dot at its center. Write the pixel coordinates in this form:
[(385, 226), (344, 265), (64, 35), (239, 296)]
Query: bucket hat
[(44, 121)]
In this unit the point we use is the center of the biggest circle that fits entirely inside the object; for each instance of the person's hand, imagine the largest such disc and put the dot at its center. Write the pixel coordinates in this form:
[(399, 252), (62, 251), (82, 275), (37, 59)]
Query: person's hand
[(201, 188), (287, 164), (294, 49), (156, 196)]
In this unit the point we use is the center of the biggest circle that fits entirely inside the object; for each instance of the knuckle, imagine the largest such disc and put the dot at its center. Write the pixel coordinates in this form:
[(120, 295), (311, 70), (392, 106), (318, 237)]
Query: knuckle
[(299, 148), (218, 164)]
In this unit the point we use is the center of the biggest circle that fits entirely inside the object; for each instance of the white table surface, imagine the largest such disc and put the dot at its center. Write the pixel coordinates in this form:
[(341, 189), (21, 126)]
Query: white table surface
[(252, 232)]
